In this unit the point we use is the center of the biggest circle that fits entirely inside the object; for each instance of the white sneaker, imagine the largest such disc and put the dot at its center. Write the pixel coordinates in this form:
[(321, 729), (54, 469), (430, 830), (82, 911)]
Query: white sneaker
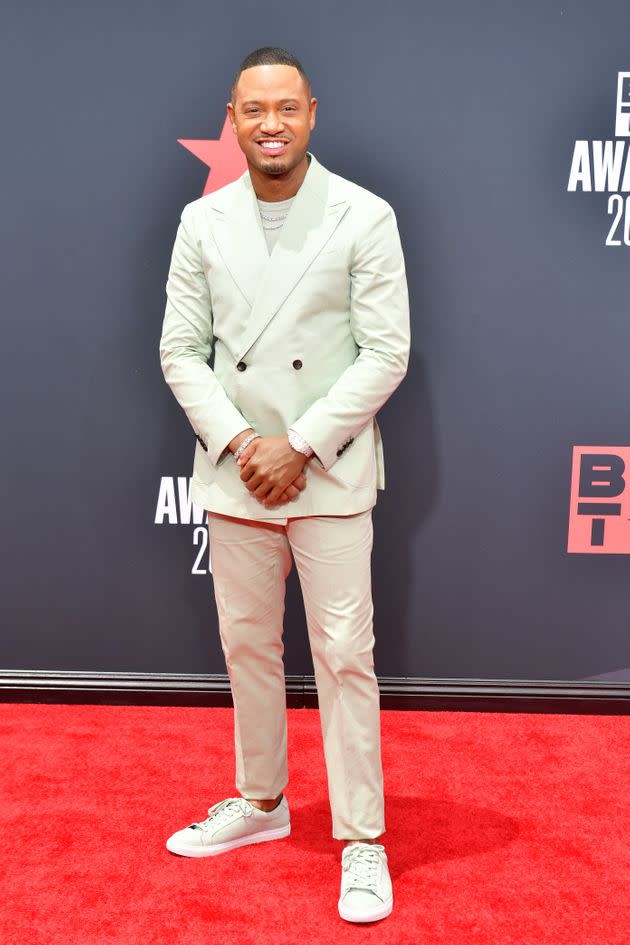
[(232, 823), (366, 887)]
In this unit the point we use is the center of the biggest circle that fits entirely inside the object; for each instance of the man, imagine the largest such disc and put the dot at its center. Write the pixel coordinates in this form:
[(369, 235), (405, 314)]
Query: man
[(296, 276)]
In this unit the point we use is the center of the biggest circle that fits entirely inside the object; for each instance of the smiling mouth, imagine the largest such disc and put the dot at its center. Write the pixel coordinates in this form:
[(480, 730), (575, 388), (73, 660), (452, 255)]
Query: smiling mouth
[(272, 145)]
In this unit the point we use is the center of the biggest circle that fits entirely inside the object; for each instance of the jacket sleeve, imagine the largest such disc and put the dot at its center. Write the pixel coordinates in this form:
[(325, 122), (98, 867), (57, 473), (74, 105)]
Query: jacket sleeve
[(379, 322), (186, 344)]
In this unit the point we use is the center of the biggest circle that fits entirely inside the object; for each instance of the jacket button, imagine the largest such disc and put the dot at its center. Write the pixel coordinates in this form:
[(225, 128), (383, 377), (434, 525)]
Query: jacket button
[(241, 366), (297, 364)]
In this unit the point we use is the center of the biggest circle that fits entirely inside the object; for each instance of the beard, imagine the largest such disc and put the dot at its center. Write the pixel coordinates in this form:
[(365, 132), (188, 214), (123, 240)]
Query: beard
[(273, 166)]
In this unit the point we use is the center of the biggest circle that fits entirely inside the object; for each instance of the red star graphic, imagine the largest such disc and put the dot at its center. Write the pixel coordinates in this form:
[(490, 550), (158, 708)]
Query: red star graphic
[(224, 158)]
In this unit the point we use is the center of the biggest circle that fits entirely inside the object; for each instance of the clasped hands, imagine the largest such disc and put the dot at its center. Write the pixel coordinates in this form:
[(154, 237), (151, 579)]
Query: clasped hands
[(270, 468)]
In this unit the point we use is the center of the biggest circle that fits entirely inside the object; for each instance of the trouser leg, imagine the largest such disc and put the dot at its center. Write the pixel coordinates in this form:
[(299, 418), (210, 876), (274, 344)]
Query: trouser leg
[(250, 562), (333, 558)]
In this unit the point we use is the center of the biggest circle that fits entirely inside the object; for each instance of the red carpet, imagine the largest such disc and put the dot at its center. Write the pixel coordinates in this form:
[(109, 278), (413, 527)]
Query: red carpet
[(501, 828)]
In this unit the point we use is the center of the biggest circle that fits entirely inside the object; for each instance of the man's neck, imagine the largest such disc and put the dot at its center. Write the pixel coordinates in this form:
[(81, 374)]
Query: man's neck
[(273, 187)]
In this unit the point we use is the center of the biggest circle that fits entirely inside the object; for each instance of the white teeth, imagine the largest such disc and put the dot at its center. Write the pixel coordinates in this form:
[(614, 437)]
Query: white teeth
[(272, 144)]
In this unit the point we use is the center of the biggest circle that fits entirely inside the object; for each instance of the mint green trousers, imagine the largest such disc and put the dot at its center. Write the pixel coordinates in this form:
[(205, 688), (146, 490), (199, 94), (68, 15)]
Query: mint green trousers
[(250, 561)]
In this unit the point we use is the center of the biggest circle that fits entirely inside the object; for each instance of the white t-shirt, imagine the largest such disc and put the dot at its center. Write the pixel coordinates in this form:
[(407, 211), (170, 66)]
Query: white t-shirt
[(273, 213)]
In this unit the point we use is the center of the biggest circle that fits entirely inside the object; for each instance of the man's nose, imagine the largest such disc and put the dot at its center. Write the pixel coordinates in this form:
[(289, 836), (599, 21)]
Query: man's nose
[(272, 122)]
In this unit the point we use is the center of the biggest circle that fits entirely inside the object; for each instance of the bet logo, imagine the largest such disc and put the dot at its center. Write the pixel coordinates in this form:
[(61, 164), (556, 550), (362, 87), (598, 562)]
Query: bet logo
[(599, 516)]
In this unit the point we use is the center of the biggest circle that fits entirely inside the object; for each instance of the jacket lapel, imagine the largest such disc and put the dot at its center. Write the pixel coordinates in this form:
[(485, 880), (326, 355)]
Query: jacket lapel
[(240, 239), (266, 281)]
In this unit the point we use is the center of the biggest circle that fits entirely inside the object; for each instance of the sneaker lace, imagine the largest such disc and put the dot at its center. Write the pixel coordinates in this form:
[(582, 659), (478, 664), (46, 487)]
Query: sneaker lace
[(225, 810), (362, 863)]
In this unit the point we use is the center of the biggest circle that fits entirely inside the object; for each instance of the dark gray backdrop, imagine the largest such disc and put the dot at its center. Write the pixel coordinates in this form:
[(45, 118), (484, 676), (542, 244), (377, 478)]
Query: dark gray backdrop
[(464, 117)]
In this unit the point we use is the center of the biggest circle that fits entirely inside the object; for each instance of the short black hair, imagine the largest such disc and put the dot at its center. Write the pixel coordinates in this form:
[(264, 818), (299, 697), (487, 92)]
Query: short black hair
[(271, 56)]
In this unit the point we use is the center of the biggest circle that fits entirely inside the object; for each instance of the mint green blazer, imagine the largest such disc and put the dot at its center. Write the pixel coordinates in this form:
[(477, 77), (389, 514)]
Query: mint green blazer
[(315, 336)]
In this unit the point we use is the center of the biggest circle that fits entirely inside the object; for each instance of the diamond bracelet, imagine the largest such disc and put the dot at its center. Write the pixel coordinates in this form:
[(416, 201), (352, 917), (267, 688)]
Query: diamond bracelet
[(246, 442)]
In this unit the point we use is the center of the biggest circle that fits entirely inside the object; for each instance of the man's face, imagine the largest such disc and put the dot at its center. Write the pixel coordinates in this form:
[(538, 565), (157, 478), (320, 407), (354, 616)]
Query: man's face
[(271, 104)]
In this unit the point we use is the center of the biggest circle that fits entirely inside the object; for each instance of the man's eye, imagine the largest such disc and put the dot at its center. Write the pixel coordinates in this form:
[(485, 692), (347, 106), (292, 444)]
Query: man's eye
[(253, 111)]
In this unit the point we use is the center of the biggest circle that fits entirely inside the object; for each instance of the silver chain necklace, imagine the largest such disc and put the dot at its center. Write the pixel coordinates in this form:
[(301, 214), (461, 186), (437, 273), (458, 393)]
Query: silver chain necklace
[(273, 219)]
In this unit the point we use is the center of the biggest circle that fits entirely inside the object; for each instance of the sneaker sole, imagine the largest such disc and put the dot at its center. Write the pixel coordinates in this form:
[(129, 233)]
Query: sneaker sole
[(381, 913), (182, 849)]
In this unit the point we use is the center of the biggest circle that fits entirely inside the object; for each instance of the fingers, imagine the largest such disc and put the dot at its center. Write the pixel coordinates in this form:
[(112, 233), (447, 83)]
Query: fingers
[(290, 492)]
